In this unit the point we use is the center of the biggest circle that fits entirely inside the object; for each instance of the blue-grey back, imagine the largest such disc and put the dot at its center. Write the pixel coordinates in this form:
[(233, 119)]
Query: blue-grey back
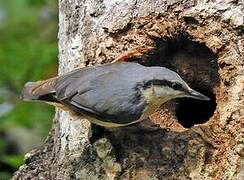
[(109, 91)]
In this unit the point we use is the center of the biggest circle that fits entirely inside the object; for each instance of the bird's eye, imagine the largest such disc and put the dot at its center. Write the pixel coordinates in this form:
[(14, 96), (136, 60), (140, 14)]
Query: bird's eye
[(177, 86)]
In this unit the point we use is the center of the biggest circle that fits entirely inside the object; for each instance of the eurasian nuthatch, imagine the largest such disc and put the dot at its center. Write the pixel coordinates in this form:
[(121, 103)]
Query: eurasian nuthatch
[(112, 95)]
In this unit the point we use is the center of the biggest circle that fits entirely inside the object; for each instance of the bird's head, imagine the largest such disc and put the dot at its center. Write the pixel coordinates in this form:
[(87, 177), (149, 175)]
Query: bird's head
[(167, 85)]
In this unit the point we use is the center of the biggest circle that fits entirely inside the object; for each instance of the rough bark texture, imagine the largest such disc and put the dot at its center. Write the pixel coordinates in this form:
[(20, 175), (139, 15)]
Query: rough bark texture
[(203, 42)]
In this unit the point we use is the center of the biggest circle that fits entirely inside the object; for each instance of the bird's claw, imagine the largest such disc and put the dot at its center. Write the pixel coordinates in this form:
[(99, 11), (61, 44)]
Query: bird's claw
[(133, 53)]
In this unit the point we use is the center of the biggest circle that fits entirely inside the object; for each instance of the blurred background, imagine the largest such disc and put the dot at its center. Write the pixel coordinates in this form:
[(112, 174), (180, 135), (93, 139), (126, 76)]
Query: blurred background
[(28, 52)]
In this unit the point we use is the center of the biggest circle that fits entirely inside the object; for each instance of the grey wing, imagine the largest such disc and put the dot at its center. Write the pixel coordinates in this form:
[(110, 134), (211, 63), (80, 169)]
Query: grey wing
[(105, 97), (68, 84)]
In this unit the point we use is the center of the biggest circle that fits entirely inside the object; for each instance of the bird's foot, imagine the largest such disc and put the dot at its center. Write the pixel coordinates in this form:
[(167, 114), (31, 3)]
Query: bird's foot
[(134, 53)]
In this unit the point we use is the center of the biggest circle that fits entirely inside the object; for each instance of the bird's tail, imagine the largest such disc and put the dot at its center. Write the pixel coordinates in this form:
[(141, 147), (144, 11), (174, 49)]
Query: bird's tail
[(40, 90)]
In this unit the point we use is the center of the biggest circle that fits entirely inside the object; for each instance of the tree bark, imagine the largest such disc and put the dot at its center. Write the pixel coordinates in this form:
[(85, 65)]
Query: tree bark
[(203, 42)]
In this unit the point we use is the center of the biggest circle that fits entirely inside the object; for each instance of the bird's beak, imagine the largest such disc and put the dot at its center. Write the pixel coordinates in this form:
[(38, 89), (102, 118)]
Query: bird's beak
[(197, 95)]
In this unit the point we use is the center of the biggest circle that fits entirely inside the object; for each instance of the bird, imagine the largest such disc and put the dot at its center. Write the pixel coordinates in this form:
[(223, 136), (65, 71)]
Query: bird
[(112, 95)]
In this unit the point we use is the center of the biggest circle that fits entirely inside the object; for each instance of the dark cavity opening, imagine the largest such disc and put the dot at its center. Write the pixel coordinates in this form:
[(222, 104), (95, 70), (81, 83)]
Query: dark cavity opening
[(191, 111), (197, 65)]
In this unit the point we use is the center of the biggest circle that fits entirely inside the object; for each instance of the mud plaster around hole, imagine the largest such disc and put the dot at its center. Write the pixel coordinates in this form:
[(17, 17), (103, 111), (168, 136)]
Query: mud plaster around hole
[(197, 65)]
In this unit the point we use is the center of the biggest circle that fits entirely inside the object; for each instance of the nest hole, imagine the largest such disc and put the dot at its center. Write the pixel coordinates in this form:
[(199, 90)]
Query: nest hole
[(197, 65), (190, 111)]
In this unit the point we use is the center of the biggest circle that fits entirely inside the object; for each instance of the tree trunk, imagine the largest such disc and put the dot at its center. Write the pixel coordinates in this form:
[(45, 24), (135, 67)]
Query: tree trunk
[(203, 42)]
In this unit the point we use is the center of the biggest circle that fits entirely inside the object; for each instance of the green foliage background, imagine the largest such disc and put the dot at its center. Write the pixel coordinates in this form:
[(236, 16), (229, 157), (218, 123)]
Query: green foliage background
[(28, 52)]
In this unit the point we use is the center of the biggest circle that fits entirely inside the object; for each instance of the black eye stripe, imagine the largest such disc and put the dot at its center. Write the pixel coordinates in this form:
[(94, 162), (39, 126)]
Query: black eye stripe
[(147, 84), (173, 85), (177, 86)]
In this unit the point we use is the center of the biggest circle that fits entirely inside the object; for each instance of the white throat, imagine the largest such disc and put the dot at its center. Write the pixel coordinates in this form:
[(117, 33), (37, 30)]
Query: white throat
[(154, 99)]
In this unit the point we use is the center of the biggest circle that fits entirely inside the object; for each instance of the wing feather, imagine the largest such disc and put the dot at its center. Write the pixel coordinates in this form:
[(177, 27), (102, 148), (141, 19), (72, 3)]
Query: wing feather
[(104, 93)]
